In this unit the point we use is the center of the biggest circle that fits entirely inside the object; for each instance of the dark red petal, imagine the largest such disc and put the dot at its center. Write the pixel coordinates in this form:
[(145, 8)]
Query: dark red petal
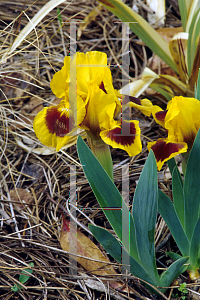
[(127, 99), (135, 100), (119, 137), (57, 123), (163, 150), (160, 116)]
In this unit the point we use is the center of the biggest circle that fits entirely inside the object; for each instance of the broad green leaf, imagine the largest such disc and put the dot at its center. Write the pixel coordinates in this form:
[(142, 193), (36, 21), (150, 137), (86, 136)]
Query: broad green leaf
[(144, 213), (195, 246), (197, 87), (106, 194), (141, 28), (114, 248), (172, 272), (23, 278), (171, 164), (178, 197), (191, 188), (175, 257), (184, 7), (167, 211)]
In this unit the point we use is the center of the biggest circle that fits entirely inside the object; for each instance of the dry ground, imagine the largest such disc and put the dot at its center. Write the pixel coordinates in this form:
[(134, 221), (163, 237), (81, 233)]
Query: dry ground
[(29, 232)]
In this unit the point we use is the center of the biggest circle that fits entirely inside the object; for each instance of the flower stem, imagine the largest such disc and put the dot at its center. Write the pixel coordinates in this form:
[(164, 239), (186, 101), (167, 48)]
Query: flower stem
[(102, 153)]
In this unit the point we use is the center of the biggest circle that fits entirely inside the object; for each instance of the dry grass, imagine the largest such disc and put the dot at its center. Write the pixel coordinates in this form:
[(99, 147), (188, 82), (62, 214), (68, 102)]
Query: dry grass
[(34, 181)]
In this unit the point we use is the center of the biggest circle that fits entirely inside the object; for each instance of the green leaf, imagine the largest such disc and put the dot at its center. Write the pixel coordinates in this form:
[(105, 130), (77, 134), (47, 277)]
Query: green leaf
[(193, 41), (114, 248), (171, 164), (192, 7), (172, 272), (162, 89), (23, 278), (167, 211), (191, 188), (195, 246), (178, 197), (174, 256), (184, 7), (141, 28), (106, 194), (144, 213), (59, 16), (197, 87)]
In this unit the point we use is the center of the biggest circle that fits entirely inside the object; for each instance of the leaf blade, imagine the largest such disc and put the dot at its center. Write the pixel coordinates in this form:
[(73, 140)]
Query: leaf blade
[(167, 211), (191, 190), (141, 28), (144, 213)]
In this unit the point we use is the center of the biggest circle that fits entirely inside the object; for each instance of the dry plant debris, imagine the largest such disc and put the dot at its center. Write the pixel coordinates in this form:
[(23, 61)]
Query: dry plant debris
[(34, 180)]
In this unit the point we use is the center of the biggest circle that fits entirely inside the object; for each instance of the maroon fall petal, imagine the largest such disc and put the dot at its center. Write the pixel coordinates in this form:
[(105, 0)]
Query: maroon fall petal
[(124, 136), (160, 116), (57, 122), (163, 150), (135, 100)]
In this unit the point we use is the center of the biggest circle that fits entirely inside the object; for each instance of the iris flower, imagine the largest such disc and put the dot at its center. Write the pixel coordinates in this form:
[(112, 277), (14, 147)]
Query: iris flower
[(181, 121), (98, 107)]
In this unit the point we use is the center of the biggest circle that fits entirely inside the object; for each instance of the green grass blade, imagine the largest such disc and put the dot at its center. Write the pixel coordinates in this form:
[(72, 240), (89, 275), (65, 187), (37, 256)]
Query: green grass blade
[(191, 188), (106, 194), (144, 213), (59, 16), (167, 211), (178, 197), (144, 31)]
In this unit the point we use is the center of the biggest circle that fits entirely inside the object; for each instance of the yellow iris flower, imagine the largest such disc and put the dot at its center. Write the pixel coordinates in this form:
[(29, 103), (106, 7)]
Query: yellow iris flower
[(182, 121), (98, 107)]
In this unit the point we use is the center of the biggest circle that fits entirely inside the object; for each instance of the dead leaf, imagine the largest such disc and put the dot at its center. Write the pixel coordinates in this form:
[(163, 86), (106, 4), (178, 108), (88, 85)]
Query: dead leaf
[(86, 248), (167, 33), (21, 198)]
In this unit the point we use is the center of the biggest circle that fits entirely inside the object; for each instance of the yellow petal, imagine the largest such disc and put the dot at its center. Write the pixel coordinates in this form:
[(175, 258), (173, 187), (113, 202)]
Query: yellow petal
[(99, 110), (144, 105), (60, 82), (183, 119), (52, 124)]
